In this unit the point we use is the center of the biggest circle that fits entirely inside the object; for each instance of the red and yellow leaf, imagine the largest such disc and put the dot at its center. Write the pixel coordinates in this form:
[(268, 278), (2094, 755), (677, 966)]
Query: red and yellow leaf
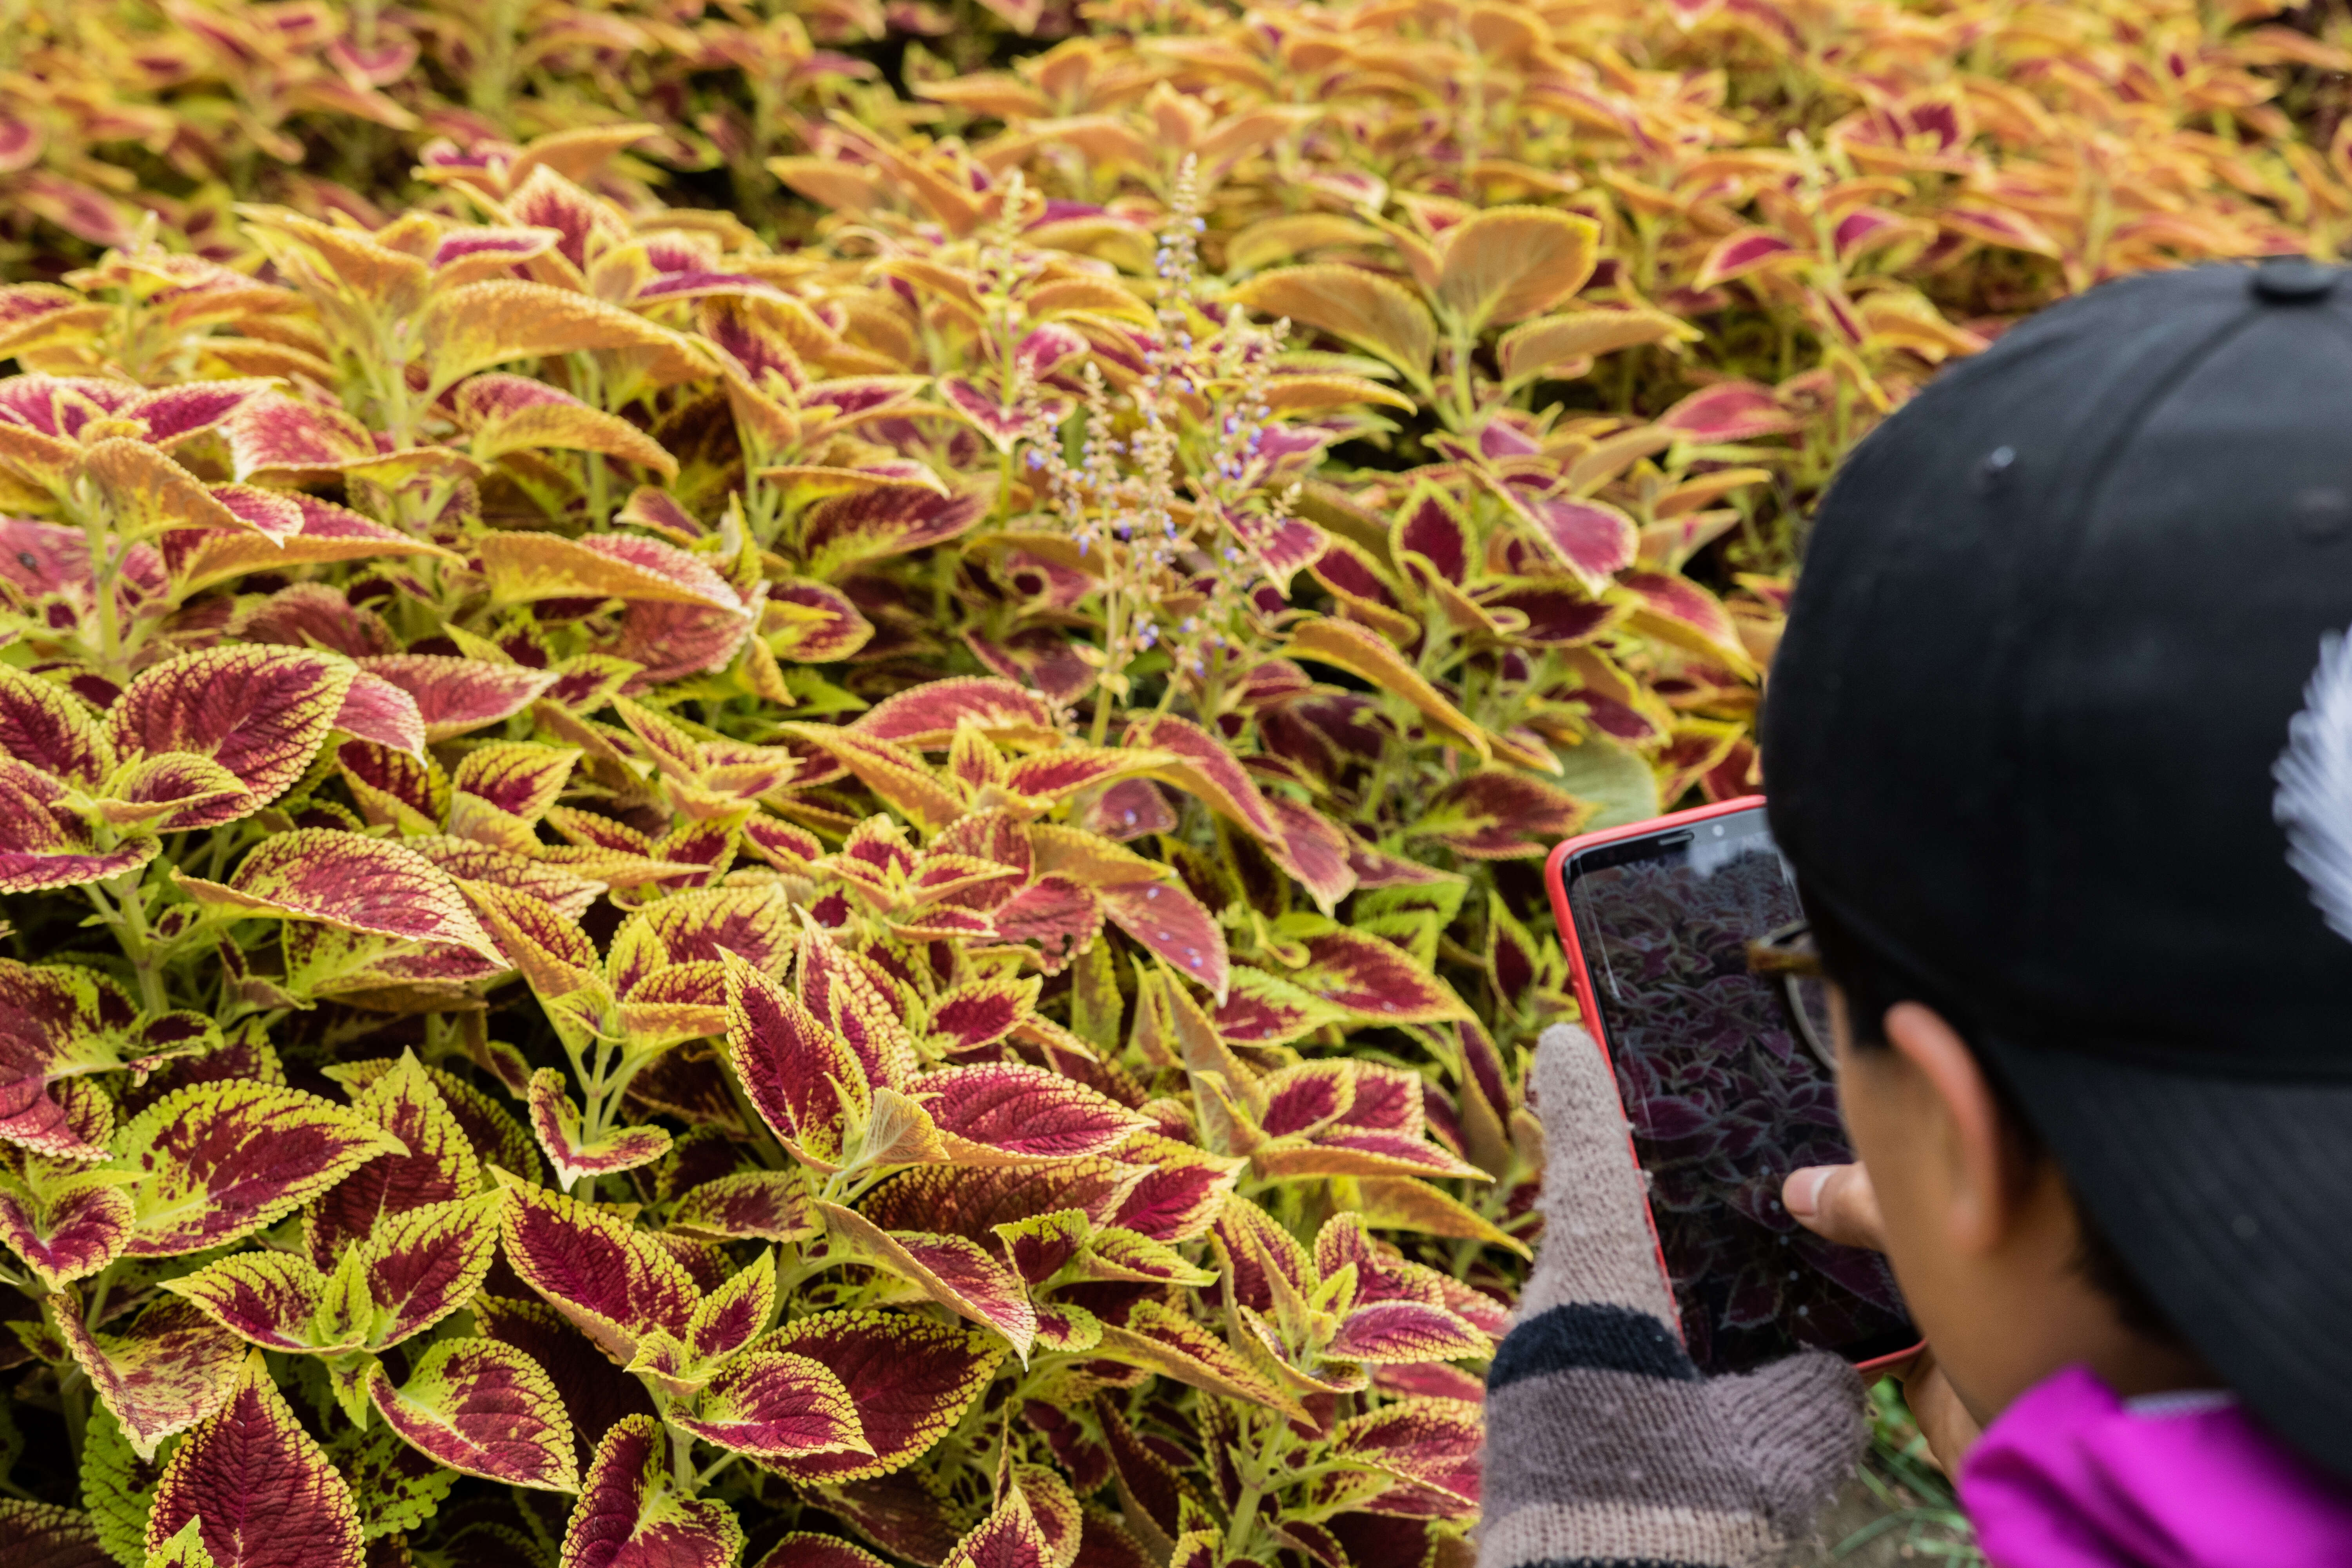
[(774, 1404), (929, 715), (266, 1299), (800, 1075), (40, 1535), (958, 1274), (1008, 1538), (1010, 1113), (506, 413), (613, 1283), (43, 724), (370, 886), (454, 696), (438, 1163), (632, 1515), (170, 1369), (485, 1409), (263, 1491), (70, 1235), (555, 1120), (423, 1264), (219, 1161), (764, 1206), (524, 567), (909, 1377), (1164, 1341), (1170, 921), (260, 712), (1375, 981)]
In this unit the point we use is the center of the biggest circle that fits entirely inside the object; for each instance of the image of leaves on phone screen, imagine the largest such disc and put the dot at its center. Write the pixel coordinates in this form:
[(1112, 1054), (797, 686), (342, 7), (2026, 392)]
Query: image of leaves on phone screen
[(1725, 1100)]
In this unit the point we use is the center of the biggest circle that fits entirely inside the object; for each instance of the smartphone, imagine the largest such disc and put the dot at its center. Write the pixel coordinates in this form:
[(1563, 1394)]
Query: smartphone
[(1723, 1060)]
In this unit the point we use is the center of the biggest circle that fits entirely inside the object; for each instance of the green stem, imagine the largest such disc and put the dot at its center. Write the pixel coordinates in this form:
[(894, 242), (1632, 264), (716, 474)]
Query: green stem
[(100, 1289), (1244, 1520), (126, 913), (1112, 630), (104, 567)]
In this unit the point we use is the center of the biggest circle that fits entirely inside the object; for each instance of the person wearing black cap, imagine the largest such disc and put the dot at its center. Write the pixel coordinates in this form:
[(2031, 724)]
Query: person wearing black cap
[(2059, 744)]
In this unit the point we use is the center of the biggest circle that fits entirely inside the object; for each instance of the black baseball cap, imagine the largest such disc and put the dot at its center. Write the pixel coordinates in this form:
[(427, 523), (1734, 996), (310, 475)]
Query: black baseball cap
[(2060, 726)]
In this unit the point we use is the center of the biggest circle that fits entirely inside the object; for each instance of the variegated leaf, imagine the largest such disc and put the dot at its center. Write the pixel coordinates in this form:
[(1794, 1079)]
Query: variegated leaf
[(425, 1263), (69, 1235), (1431, 1446), (1008, 1538), (1166, 1342), (774, 1404), (507, 414), (929, 715), (958, 1274), (524, 567), (1011, 1113), (1374, 981), (631, 1515), (800, 1075), (614, 1283), (438, 1165), (47, 726), (1170, 921), (45, 1536), (271, 1299), (261, 1491), (454, 696), (260, 712), (555, 1119), (1506, 264), (197, 558), (476, 325), (178, 790), (169, 1369), (484, 1409), (764, 1206), (219, 1161), (368, 886), (1363, 308), (802, 1549), (909, 1377)]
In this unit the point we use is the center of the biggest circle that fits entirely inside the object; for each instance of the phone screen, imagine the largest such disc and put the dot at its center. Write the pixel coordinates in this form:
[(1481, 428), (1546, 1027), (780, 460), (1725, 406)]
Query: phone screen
[(1724, 1094)]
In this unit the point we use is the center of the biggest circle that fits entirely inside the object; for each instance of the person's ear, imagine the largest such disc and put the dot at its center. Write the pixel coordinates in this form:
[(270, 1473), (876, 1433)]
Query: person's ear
[(1984, 1175)]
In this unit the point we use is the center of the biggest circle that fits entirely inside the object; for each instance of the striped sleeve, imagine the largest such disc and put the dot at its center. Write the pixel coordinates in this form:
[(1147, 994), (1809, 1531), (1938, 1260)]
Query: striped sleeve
[(1605, 1449)]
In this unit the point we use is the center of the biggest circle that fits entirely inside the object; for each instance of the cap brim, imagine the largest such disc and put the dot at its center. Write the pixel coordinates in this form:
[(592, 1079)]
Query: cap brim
[(2230, 1201)]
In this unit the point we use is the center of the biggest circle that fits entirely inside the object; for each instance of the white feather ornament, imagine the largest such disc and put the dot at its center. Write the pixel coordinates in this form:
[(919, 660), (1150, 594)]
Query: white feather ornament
[(2314, 803)]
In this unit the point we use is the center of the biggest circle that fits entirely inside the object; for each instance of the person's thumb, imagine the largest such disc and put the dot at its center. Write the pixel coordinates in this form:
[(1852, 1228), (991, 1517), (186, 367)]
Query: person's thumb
[(1801, 1421), (1836, 1202)]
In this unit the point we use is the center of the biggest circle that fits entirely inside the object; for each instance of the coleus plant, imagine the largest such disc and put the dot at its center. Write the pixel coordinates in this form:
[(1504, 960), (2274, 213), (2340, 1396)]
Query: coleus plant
[(345, 840)]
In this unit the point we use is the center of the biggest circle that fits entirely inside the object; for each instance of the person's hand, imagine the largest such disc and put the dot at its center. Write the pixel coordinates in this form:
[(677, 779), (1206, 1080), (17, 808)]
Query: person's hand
[(1837, 1202), (1603, 1441)]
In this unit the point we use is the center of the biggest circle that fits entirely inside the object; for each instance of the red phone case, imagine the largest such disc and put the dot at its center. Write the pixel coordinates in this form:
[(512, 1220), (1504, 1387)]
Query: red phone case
[(1556, 886)]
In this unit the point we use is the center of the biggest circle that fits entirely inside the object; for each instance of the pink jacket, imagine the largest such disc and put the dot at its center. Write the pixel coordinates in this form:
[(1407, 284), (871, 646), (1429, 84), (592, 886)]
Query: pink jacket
[(2071, 1476)]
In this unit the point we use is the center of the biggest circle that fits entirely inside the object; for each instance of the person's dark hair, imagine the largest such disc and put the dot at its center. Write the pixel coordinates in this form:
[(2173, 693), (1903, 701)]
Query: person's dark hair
[(1873, 984)]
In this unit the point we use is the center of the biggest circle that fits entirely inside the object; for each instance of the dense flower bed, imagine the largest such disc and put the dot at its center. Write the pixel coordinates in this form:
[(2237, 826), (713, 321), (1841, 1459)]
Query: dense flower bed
[(853, 872)]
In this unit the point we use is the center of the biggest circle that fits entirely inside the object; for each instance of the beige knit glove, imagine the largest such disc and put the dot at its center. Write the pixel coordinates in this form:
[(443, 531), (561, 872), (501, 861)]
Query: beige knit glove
[(1605, 1449)]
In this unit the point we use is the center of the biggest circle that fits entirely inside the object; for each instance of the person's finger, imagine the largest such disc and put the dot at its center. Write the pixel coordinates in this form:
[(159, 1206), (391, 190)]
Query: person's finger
[(1598, 1247), (1836, 1202), (1943, 1420)]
